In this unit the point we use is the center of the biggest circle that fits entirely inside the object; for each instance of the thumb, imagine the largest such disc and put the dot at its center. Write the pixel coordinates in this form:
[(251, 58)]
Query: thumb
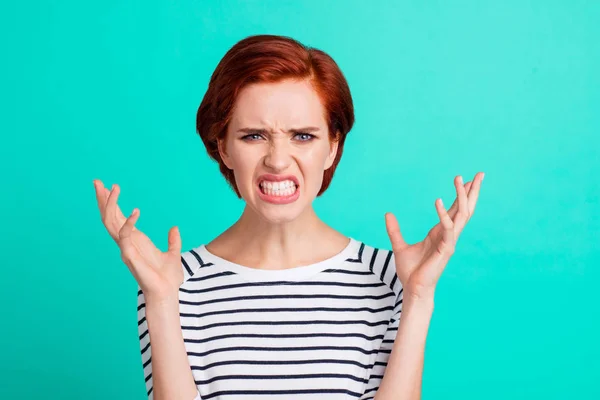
[(174, 241), (393, 230)]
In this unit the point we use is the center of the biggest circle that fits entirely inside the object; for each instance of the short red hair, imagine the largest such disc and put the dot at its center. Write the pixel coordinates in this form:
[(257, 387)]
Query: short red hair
[(270, 59)]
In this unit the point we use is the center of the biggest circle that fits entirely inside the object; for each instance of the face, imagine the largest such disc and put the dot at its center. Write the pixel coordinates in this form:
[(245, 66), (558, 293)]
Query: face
[(278, 146)]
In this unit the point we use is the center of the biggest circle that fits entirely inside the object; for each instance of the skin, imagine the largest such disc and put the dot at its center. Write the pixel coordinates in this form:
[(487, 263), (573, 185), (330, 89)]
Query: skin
[(278, 236), (420, 265), (266, 235), (274, 236), (270, 236)]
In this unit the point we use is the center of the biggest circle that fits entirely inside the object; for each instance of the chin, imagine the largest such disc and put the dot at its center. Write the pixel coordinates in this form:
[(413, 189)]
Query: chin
[(278, 213), (279, 216)]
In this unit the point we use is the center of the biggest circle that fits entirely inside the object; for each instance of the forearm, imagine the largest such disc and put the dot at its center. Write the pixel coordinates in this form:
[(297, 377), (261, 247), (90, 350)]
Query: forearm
[(171, 373), (403, 374)]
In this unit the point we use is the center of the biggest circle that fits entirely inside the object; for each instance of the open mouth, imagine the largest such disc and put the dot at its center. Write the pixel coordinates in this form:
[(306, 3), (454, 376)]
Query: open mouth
[(278, 189)]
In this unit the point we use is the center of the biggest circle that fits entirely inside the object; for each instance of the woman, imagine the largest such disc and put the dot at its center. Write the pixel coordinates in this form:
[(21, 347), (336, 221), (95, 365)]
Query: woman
[(281, 305)]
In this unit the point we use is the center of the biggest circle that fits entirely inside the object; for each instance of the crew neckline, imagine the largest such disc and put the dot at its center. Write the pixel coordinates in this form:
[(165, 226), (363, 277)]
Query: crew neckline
[(293, 273)]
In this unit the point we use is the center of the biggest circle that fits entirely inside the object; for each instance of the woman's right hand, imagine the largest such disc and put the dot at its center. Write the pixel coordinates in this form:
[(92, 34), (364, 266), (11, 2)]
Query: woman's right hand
[(158, 273)]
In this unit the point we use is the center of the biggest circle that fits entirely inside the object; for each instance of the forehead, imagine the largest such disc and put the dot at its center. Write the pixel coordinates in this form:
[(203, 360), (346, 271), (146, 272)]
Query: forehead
[(282, 105)]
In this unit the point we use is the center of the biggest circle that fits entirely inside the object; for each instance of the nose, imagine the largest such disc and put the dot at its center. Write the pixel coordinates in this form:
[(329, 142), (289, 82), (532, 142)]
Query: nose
[(278, 156)]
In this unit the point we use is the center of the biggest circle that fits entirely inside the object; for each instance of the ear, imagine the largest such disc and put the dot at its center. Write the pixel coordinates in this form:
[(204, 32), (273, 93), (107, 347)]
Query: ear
[(333, 147), (223, 153)]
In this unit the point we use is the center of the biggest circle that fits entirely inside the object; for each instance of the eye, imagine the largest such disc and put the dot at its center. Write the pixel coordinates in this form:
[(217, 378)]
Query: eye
[(305, 137), (251, 137)]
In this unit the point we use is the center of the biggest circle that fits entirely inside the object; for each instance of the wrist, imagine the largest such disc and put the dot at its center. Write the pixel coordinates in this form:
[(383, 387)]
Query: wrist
[(162, 312), (419, 302), (164, 300)]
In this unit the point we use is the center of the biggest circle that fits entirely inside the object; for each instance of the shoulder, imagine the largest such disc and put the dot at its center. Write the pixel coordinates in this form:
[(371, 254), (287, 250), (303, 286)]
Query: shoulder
[(380, 262), (192, 260)]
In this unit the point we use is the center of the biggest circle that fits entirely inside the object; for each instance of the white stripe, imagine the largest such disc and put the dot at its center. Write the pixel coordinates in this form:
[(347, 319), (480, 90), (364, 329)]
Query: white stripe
[(316, 331)]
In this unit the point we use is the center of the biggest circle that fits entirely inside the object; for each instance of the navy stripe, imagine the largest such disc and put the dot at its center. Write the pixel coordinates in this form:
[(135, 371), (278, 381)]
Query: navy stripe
[(187, 267), (326, 335)]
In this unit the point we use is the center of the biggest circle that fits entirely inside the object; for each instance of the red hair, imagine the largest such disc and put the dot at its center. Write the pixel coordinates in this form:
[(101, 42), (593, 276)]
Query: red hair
[(270, 59)]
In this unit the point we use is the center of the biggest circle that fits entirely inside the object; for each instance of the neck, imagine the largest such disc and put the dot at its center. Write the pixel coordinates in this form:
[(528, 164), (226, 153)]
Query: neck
[(255, 242)]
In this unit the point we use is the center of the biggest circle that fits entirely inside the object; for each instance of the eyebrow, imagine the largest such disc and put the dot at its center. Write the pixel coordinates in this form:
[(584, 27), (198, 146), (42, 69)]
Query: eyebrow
[(293, 130)]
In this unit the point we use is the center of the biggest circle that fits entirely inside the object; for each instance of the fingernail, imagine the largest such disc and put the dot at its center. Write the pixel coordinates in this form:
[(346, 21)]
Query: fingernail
[(482, 176), (460, 179)]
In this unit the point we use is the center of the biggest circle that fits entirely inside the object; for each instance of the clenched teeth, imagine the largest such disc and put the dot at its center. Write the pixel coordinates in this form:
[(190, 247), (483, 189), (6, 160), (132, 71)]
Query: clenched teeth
[(283, 188)]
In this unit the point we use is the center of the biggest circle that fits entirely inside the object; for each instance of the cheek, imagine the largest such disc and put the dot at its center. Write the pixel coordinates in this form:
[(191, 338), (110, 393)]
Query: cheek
[(243, 164), (316, 158), (312, 164)]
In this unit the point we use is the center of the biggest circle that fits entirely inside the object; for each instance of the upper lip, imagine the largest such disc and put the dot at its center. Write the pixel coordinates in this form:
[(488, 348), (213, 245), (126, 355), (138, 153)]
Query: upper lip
[(278, 178)]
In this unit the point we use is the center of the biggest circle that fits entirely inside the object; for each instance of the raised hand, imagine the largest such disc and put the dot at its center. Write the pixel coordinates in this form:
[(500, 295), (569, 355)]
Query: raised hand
[(158, 273), (420, 265)]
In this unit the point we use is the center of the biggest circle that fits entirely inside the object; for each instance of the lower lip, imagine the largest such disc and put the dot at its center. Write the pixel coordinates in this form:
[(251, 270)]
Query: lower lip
[(278, 199)]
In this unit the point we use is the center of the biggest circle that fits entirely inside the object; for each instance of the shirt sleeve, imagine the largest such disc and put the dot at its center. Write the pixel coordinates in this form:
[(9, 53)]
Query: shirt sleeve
[(383, 354), (144, 337)]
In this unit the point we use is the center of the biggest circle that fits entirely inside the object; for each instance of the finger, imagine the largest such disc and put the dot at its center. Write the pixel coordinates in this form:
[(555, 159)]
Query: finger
[(120, 217), (174, 241), (100, 196), (468, 186), (448, 228), (127, 228), (454, 208), (119, 214), (393, 230), (110, 212), (474, 192), (462, 216), (105, 193)]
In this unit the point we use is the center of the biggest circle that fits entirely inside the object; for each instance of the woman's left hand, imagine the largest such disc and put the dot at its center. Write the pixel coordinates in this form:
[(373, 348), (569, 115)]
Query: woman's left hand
[(420, 265)]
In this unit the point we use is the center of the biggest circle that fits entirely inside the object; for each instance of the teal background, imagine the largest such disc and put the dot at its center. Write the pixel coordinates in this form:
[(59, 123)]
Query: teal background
[(110, 89)]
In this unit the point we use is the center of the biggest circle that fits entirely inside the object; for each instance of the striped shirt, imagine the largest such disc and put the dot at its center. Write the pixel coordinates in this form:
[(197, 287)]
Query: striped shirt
[(319, 331)]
